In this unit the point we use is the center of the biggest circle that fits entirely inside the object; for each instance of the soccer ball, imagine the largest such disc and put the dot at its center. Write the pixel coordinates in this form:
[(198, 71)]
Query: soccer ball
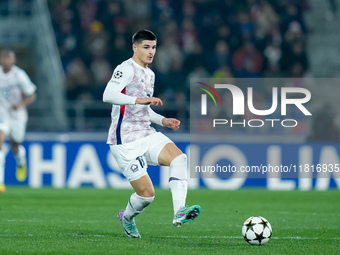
[(256, 230)]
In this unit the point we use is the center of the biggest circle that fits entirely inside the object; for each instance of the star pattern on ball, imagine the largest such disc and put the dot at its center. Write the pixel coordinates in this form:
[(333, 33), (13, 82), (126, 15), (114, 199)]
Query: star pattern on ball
[(264, 223), (256, 230), (118, 74), (250, 225), (259, 237)]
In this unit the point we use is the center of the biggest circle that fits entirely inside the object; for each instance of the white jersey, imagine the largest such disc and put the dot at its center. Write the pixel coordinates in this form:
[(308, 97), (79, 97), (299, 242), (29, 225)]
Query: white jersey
[(13, 85), (131, 122)]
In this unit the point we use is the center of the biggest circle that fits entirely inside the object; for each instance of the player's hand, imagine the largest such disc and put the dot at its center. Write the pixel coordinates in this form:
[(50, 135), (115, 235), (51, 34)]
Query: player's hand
[(15, 106), (171, 123), (149, 100)]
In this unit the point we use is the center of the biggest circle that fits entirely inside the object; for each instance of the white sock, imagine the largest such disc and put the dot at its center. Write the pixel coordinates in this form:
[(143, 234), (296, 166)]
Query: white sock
[(20, 157), (179, 190), (178, 183), (2, 167), (136, 205)]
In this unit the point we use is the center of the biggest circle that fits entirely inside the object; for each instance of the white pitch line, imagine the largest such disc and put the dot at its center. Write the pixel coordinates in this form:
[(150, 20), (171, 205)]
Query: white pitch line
[(200, 237), (70, 221), (240, 237), (54, 235), (92, 235)]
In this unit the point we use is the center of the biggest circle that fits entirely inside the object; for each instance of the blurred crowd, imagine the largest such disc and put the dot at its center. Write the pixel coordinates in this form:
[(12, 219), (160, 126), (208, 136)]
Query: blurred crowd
[(196, 39)]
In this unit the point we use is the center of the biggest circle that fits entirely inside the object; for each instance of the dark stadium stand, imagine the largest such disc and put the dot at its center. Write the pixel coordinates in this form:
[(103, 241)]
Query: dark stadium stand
[(195, 39)]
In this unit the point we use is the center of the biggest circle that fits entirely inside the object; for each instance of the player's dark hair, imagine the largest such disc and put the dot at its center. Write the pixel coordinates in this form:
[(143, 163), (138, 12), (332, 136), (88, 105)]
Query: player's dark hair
[(142, 35)]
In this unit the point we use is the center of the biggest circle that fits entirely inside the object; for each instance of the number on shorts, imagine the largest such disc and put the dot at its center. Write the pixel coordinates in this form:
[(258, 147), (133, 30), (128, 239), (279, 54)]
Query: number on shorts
[(141, 161)]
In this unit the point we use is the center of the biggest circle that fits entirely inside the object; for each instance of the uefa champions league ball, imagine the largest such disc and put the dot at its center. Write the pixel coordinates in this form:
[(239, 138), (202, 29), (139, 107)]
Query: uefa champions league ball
[(256, 230)]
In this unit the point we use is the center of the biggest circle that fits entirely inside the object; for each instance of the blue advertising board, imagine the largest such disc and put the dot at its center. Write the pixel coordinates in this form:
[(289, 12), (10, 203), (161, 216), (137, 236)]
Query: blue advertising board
[(73, 164)]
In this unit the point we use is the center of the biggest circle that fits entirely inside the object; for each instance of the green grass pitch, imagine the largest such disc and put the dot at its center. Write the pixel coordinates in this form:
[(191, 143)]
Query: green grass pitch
[(83, 221)]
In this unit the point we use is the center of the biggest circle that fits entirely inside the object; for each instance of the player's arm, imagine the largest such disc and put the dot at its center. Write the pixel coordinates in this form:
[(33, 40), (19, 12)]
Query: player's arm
[(28, 91), (27, 99), (149, 100), (155, 117), (112, 95), (121, 77), (171, 123), (162, 121)]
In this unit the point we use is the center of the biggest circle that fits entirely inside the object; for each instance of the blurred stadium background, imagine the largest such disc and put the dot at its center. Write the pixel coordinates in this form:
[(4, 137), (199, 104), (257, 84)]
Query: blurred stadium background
[(70, 48)]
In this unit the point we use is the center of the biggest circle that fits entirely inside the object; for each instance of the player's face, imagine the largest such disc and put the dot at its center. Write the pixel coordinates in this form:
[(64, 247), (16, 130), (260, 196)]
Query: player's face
[(144, 52), (7, 61)]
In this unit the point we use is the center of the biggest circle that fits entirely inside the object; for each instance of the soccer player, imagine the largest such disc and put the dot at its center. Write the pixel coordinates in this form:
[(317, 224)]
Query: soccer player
[(16, 92), (134, 143)]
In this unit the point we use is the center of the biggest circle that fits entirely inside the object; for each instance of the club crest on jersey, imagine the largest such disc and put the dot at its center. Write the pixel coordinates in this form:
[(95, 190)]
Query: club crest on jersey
[(5, 92), (134, 168), (118, 74)]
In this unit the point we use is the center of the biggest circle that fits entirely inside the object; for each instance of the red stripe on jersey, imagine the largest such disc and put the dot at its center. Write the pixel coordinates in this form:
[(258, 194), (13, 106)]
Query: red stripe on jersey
[(120, 120), (122, 107)]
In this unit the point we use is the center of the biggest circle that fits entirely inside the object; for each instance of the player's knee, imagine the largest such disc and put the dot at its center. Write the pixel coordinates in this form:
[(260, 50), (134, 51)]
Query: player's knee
[(15, 149), (2, 138), (179, 160), (145, 201), (184, 157), (178, 167), (148, 193)]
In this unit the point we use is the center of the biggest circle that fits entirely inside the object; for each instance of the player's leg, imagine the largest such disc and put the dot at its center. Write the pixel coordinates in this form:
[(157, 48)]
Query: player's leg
[(2, 162), (17, 134), (172, 156), (134, 169), (4, 129), (19, 153), (164, 152), (143, 196), (138, 201)]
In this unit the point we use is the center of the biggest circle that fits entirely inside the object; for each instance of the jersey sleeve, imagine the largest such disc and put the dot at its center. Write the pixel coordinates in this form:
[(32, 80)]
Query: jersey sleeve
[(26, 85), (155, 117), (121, 77)]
